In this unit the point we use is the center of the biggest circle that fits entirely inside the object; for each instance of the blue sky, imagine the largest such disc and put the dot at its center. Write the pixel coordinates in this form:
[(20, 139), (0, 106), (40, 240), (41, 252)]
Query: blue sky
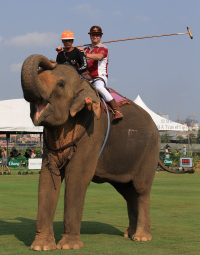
[(163, 71)]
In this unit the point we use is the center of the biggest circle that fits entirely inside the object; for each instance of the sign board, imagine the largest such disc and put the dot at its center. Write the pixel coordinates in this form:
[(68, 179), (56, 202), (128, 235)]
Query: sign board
[(34, 163), (14, 163), (186, 162), (168, 162)]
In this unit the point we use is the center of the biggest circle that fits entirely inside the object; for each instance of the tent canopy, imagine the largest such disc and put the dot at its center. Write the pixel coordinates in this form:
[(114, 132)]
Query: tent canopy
[(162, 124), (15, 117)]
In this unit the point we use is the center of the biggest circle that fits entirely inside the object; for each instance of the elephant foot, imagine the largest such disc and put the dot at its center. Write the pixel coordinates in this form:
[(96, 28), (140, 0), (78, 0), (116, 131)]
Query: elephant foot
[(43, 244), (142, 236), (68, 242)]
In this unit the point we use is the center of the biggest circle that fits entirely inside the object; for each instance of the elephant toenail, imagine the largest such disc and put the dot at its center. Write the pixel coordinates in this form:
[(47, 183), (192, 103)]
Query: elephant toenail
[(126, 234), (66, 247), (144, 239), (76, 246), (46, 248), (37, 248)]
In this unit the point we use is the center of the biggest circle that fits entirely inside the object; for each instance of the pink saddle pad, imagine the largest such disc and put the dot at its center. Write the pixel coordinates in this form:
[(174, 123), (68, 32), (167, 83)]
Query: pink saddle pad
[(118, 98)]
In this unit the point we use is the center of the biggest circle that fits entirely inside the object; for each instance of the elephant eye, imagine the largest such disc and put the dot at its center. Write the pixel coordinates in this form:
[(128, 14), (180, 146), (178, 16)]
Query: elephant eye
[(60, 84)]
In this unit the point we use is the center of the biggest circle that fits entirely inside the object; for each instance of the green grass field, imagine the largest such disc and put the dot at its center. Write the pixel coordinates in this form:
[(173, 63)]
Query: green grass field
[(175, 217)]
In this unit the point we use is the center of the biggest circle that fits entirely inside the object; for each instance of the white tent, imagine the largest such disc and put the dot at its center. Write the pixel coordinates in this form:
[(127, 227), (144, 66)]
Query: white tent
[(15, 117), (161, 123)]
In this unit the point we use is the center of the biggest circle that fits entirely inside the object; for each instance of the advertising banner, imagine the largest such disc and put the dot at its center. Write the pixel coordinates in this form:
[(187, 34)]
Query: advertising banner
[(186, 162), (168, 162), (34, 163), (17, 162), (14, 163)]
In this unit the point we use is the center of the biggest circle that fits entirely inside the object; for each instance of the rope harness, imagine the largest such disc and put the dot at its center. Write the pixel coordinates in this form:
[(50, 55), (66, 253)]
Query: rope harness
[(72, 145)]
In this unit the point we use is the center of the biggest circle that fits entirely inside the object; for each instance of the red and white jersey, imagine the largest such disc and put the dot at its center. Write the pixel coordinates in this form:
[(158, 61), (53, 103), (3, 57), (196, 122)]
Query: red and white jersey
[(98, 67)]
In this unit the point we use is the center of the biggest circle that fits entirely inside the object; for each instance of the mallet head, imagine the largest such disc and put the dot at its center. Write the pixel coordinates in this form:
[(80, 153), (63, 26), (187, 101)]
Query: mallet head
[(190, 33)]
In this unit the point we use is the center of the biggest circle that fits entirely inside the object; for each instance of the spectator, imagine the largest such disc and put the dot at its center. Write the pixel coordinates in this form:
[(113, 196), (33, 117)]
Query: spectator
[(11, 154), (41, 152), (32, 154), (167, 151), (14, 153), (184, 150), (27, 155), (4, 160)]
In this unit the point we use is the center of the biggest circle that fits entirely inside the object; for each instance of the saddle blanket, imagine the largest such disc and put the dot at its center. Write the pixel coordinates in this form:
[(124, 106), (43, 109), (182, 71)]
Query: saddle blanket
[(118, 98)]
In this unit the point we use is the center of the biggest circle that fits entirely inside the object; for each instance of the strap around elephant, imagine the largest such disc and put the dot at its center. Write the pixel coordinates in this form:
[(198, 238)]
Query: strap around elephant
[(108, 128), (74, 141)]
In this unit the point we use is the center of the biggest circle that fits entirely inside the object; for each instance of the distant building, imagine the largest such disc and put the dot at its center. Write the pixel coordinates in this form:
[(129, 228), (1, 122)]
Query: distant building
[(194, 127), (163, 115)]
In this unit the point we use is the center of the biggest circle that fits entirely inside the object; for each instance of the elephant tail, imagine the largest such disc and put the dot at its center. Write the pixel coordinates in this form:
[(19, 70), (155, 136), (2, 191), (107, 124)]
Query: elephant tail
[(190, 171)]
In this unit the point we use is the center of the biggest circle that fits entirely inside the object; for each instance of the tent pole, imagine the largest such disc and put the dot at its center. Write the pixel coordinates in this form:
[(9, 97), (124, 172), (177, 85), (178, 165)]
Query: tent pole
[(7, 137)]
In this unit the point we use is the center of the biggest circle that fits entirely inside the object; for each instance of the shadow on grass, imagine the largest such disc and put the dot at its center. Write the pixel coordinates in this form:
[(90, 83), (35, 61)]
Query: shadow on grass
[(25, 229)]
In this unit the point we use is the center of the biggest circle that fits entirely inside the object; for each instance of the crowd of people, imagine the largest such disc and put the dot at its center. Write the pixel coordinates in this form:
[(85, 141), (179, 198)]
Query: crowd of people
[(168, 151), (15, 154)]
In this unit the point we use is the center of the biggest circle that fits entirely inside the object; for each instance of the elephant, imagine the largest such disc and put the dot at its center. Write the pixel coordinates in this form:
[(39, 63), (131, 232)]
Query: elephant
[(74, 130)]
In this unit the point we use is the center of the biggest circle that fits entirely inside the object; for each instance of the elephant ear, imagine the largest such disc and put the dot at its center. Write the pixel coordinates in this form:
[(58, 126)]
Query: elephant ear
[(85, 96)]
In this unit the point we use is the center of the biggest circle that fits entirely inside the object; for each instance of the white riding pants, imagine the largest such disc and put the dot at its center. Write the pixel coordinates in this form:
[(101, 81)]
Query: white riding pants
[(100, 87)]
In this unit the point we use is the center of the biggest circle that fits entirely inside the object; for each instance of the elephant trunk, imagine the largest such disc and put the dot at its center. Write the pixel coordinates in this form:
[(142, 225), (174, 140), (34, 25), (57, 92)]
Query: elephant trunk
[(31, 84)]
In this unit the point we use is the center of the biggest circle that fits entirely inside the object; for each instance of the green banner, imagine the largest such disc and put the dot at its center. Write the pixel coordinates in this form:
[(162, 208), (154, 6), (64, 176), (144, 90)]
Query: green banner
[(14, 163), (168, 162)]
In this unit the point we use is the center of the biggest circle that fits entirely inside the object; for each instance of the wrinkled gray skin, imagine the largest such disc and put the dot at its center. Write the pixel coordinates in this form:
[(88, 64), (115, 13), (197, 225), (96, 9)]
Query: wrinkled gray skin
[(128, 161)]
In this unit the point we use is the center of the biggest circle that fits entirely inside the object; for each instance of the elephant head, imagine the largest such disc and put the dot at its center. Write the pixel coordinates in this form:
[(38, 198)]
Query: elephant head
[(54, 91)]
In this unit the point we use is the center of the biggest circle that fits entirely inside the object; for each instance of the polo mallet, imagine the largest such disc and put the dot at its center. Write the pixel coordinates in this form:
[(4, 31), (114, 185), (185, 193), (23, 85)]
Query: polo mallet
[(145, 37)]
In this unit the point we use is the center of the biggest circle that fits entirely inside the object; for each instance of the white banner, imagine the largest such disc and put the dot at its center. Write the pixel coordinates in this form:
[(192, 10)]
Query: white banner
[(34, 163), (186, 162)]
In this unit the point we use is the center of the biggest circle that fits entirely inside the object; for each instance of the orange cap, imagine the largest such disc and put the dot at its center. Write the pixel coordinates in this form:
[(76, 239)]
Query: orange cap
[(67, 35)]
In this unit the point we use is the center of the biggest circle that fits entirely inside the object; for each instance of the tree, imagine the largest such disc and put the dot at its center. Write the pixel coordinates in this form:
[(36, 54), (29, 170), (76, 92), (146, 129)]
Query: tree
[(198, 136), (165, 138), (192, 138), (180, 139)]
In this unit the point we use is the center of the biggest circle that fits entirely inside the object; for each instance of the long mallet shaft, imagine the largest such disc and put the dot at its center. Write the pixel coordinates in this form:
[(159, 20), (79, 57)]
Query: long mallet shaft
[(145, 37)]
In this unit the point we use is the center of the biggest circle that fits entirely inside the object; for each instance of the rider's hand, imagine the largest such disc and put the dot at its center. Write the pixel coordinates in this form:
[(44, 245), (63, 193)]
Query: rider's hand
[(59, 48), (82, 50)]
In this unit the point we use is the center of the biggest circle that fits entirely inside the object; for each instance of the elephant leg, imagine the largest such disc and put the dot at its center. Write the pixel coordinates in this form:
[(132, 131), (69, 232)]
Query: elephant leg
[(74, 201), (143, 232), (47, 200), (77, 180), (129, 194), (138, 211), (143, 183)]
